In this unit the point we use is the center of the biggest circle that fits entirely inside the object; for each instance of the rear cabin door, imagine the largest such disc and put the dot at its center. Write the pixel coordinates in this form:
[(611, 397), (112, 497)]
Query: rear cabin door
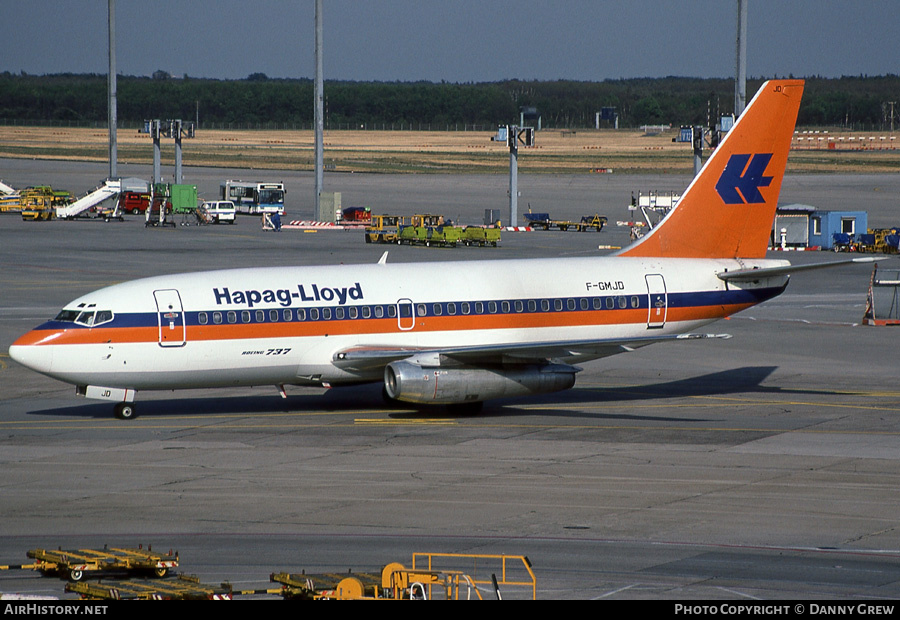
[(658, 301), (172, 331)]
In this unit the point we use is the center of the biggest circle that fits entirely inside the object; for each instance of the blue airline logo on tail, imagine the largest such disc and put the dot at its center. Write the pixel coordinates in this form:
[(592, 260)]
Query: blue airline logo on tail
[(740, 182)]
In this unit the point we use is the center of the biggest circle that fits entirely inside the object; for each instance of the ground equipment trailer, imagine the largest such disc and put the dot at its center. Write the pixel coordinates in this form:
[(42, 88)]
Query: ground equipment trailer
[(181, 588), (73, 564), (441, 576), (481, 235), (430, 235), (544, 221)]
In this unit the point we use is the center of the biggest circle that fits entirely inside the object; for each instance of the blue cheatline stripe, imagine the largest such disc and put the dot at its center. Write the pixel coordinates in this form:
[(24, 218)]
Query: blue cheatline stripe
[(487, 307)]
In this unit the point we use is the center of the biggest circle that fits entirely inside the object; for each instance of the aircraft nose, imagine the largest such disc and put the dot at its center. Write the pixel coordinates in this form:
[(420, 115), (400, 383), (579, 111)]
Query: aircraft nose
[(39, 358)]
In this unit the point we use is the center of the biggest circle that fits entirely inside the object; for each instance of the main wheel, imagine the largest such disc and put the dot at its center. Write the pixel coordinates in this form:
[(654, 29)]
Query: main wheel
[(125, 411)]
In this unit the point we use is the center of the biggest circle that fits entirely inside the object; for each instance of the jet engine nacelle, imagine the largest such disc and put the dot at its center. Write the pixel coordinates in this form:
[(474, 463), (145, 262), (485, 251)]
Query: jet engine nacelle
[(412, 383)]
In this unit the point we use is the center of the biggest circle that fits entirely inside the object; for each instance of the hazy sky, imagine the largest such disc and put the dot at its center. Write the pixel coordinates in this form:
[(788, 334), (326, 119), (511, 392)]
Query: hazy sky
[(453, 40)]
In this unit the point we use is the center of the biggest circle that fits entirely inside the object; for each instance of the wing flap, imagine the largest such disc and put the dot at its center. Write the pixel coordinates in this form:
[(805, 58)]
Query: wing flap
[(366, 358)]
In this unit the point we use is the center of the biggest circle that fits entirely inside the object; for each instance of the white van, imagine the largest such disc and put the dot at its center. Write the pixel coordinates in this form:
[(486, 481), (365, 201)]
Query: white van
[(220, 211)]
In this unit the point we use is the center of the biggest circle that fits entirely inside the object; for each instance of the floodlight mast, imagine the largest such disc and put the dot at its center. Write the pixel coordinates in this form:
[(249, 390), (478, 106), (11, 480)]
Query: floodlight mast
[(514, 135), (319, 113), (740, 73), (111, 84)]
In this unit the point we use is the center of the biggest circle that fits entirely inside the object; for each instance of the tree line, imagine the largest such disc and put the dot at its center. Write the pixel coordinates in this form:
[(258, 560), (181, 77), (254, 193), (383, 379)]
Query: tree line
[(860, 102)]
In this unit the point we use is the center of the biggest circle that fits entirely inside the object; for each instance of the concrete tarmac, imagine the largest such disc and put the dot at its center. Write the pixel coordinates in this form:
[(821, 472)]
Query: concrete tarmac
[(760, 467)]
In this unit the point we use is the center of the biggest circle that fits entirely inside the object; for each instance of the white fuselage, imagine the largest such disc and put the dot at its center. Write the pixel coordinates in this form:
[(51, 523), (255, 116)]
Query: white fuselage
[(288, 325)]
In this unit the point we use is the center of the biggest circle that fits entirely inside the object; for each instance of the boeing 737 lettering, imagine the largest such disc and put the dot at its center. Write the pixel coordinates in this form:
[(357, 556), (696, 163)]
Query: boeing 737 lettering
[(454, 333)]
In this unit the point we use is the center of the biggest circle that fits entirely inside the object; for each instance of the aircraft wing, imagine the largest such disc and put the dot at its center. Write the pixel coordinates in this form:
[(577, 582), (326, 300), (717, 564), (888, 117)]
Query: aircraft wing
[(366, 358)]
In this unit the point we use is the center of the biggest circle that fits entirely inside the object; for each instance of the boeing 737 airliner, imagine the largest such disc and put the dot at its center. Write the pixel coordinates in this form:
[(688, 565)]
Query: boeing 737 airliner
[(454, 333)]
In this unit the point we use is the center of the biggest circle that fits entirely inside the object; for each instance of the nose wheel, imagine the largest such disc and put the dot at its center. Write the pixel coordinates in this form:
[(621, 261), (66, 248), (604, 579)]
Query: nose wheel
[(125, 411)]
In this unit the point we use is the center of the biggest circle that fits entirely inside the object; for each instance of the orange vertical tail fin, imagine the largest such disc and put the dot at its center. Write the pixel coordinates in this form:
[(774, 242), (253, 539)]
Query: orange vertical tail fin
[(728, 209)]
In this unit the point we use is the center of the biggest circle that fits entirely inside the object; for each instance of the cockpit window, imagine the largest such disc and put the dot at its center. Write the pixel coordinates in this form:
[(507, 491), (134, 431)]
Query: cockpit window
[(88, 318), (67, 316)]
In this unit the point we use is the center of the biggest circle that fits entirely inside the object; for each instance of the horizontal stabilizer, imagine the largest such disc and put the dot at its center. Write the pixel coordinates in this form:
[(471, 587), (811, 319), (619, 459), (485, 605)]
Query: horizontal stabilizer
[(750, 275)]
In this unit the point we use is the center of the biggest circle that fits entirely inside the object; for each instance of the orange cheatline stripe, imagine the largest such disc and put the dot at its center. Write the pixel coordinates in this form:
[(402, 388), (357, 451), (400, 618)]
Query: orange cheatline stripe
[(241, 331)]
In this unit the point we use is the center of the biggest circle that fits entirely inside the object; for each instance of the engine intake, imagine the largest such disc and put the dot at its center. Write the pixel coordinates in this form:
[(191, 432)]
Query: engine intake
[(412, 383)]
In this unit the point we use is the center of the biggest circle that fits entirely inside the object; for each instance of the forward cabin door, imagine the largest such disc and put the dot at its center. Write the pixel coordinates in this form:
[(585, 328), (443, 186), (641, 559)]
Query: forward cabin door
[(658, 301), (406, 315), (172, 331)]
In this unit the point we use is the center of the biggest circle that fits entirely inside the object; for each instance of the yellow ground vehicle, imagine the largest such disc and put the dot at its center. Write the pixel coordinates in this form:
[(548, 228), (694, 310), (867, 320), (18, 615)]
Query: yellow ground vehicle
[(37, 207), (385, 228), (40, 203)]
